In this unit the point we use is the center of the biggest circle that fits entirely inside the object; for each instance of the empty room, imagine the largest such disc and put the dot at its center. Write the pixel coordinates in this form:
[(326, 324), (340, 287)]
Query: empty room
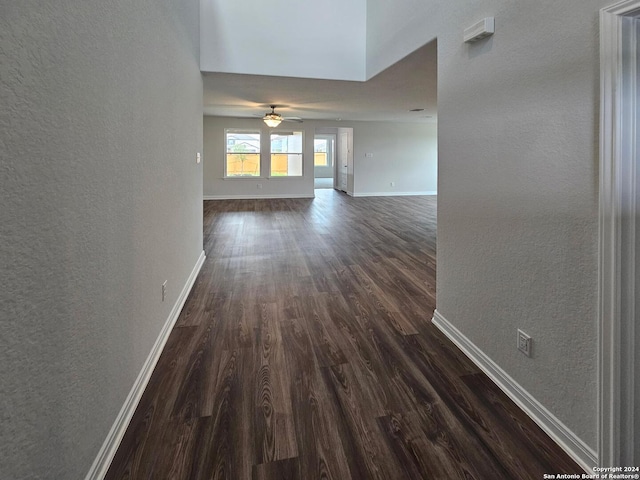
[(300, 240)]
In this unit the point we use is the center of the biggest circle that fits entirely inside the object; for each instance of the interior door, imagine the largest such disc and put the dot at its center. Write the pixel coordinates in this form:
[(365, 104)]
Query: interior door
[(343, 161)]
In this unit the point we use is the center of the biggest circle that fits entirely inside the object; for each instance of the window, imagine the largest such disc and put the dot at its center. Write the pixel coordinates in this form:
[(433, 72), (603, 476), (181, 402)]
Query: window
[(286, 154), (323, 150), (320, 158), (243, 153)]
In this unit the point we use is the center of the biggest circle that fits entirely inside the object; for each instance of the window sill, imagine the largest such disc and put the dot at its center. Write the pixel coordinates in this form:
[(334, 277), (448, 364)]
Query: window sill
[(244, 178), (288, 177)]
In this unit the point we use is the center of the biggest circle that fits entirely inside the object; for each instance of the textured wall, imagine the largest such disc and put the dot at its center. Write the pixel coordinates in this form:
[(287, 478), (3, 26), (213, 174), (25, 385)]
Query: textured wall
[(403, 153), (518, 183), (285, 37), (100, 121)]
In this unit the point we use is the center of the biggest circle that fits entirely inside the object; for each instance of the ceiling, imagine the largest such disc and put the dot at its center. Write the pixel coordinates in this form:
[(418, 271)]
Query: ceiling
[(409, 84)]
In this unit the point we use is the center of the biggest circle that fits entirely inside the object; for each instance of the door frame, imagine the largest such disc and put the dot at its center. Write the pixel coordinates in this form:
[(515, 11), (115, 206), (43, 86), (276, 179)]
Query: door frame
[(332, 138), (617, 231), (348, 131), (342, 169)]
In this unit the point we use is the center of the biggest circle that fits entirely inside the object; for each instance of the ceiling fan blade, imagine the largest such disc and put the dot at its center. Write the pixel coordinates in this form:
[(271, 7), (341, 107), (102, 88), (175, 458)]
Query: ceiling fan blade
[(292, 119)]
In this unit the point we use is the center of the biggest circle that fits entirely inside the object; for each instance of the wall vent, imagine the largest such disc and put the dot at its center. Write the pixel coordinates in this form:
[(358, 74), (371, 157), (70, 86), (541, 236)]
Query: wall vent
[(480, 30)]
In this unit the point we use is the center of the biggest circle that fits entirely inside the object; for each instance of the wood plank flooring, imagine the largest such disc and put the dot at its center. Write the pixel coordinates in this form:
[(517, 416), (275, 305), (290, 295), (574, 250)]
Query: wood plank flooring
[(305, 351)]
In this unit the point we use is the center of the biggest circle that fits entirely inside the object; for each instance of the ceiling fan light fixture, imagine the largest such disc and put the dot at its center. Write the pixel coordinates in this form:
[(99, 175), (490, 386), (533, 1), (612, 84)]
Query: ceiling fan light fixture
[(272, 119)]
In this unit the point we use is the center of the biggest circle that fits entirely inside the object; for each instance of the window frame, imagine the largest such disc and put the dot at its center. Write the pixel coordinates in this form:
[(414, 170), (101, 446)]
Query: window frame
[(330, 138), (260, 154), (279, 131)]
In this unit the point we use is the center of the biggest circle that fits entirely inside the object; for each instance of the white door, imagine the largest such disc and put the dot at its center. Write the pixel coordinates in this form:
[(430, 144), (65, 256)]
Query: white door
[(343, 161)]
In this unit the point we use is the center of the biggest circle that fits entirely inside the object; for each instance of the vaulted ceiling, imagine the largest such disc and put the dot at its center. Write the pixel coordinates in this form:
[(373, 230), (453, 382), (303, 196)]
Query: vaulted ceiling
[(409, 84)]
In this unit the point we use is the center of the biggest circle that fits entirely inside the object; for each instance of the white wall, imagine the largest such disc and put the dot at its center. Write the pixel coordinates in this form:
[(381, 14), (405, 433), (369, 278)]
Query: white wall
[(101, 119), (324, 172), (285, 38), (518, 183), (403, 153)]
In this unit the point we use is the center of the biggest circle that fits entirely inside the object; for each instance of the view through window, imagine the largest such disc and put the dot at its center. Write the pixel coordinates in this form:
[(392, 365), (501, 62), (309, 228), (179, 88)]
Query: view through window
[(323, 150), (243, 153), (286, 154), (320, 152)]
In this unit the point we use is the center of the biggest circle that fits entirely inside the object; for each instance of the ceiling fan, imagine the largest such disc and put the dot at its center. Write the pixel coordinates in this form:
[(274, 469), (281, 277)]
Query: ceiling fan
[(273, 119)]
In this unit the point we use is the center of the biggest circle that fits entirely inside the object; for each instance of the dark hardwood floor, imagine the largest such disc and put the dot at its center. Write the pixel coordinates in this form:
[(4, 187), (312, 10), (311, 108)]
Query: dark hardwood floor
[(305, 351)]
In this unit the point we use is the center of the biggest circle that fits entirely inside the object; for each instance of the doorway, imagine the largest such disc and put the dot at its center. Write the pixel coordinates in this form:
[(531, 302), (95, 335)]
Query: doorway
[(344, 164), (619, 255), (324, 159), (333, 165)]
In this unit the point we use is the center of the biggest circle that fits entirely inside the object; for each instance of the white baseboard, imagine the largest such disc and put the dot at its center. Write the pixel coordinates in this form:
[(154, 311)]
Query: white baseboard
[(112, 442), (585, 456), (257, 197), (392, 194)]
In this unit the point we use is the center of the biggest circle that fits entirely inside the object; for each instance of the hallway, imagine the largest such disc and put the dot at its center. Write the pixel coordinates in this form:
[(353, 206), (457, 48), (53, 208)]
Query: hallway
[(305, 351)]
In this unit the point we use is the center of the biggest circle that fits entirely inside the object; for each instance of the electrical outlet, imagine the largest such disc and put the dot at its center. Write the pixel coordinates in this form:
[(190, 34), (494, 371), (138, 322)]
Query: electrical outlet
[(524, 343), (393, 184), (164, 290), (197, 157)]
